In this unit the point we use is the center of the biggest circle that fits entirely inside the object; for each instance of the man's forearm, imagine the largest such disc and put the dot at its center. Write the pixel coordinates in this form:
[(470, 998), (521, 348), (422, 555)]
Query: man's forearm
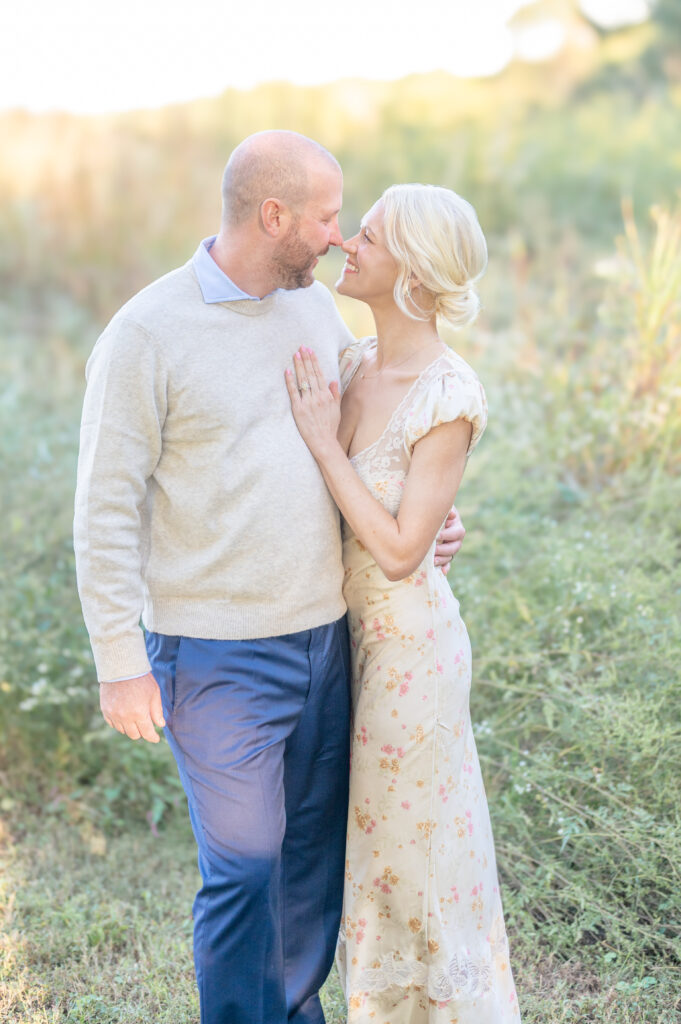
[(120, 446)]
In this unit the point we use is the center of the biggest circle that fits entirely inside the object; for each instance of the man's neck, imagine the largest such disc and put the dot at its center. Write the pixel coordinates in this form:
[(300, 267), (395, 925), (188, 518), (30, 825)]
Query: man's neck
[(235, 257)]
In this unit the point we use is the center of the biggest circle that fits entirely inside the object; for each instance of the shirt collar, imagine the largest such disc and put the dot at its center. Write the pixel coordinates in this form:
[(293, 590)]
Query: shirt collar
[(214, 283)]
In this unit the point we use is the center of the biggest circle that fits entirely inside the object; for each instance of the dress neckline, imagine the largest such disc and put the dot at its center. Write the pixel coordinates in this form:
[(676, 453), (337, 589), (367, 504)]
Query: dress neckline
[(405, 396)]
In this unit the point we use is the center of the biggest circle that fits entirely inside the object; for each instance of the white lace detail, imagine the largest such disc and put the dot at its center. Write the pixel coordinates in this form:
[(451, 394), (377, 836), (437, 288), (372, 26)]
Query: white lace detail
[(463, 977)]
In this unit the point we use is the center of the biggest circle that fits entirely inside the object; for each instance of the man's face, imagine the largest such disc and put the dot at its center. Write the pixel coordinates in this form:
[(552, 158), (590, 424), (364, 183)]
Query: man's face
[(312, 231)]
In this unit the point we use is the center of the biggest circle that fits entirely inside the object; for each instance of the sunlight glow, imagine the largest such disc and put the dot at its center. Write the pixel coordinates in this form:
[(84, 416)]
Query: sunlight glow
[(539, 40), (91, 56), (614, 13)]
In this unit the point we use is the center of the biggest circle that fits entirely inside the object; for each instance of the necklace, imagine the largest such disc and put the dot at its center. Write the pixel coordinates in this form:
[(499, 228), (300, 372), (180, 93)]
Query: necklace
[(393, 366)]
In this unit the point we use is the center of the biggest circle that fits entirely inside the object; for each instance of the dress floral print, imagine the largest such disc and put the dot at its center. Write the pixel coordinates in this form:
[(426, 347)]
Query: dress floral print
[(422, 937)]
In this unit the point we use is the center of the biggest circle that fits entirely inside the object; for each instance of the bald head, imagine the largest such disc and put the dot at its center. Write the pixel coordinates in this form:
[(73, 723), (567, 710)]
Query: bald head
[(271, 164)]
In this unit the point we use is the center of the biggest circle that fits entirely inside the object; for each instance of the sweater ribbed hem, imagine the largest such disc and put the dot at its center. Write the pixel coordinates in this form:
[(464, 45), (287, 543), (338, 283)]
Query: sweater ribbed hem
[(224, 621)]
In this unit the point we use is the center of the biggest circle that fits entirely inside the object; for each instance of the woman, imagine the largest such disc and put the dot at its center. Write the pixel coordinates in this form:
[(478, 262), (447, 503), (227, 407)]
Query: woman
[(422, 937)]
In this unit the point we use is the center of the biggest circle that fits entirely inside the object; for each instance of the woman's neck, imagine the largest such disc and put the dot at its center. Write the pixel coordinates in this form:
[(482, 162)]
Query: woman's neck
[(398, 335)]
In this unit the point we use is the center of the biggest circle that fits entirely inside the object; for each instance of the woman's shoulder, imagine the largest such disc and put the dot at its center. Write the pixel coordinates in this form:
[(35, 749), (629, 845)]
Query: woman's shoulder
[(351, 357), (449, 390), (452, 364), (357, 348)]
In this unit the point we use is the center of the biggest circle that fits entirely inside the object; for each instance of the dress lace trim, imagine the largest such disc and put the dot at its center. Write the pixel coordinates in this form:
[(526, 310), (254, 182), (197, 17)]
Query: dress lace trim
[(388, 452), (462, 977), (394, 422)]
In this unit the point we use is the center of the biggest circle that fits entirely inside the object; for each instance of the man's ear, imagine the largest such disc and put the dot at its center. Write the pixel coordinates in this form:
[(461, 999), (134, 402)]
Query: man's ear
[(275, 217)]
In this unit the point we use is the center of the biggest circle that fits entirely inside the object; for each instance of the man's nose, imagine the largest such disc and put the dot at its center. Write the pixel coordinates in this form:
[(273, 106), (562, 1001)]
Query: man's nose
[(335, 236)]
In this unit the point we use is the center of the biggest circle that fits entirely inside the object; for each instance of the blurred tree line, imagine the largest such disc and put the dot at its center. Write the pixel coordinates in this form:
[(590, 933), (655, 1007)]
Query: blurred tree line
[(95, 207)]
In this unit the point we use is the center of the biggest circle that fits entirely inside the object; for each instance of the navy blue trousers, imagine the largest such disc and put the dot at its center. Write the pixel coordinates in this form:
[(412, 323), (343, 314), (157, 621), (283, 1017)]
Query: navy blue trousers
[(260, 733)]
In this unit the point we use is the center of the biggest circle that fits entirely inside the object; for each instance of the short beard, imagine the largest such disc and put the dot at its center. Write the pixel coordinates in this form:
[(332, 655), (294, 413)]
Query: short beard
[(292, 261)]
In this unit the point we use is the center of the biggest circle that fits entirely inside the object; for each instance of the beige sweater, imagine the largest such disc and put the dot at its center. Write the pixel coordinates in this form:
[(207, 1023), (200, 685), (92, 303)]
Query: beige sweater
[(198, 505)]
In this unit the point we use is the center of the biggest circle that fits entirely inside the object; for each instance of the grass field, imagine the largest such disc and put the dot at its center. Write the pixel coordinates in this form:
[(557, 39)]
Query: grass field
[(569, 584), (97, 930)]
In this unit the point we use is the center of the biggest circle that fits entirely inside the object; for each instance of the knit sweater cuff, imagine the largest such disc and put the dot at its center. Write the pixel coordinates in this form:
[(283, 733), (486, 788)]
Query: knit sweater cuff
[(122, 658)]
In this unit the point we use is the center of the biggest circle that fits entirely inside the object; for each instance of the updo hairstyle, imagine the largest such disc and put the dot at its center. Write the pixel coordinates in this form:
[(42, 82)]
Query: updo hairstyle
[(438, 243)]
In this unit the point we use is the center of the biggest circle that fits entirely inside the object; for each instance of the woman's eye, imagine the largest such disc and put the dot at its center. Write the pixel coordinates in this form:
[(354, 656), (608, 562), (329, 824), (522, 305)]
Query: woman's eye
[(365, 236)]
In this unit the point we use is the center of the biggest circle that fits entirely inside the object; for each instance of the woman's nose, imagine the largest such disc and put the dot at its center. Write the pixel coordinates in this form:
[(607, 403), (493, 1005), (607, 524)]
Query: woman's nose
[(350, 244)]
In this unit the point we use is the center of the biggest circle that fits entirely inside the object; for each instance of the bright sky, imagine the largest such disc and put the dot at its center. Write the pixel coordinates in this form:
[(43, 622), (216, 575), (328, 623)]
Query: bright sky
[(94, 56)]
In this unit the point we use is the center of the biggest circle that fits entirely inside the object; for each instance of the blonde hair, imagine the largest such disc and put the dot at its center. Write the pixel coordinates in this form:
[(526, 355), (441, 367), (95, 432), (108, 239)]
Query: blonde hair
[(436, 239)]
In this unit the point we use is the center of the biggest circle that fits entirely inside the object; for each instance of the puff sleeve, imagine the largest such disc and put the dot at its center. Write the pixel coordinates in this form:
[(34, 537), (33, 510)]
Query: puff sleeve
[(452, 395)]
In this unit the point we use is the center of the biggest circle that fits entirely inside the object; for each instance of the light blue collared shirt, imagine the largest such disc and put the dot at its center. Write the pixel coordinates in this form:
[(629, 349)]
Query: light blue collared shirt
[(214, 283)]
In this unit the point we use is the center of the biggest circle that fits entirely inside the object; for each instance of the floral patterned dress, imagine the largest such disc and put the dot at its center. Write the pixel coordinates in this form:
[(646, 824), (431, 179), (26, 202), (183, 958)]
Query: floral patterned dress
[(422, 936)]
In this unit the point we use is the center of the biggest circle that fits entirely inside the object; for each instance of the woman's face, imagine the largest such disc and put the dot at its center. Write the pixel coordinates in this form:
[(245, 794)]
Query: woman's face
[(370, 271)]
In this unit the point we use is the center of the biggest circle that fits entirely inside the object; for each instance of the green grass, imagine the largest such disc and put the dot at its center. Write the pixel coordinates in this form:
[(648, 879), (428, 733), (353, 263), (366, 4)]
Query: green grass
[(97, 930), (571, 593)]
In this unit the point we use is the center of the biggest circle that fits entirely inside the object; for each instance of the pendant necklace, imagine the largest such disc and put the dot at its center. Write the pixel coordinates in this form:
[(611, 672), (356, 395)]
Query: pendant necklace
[(393, 366)]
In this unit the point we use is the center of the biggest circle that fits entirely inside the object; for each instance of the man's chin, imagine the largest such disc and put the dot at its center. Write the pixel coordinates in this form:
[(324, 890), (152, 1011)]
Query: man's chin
[(308, 277), (291, 284)]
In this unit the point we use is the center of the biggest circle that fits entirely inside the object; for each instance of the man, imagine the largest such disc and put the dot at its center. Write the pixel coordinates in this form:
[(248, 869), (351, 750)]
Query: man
[(187, 445)]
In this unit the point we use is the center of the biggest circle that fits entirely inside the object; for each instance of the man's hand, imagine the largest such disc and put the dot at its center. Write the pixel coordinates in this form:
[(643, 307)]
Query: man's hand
[(133, 706), (449, 540)]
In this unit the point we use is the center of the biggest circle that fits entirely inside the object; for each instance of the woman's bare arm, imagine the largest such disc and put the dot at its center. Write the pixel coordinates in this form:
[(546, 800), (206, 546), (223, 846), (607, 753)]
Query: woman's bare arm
[(399, 544)]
